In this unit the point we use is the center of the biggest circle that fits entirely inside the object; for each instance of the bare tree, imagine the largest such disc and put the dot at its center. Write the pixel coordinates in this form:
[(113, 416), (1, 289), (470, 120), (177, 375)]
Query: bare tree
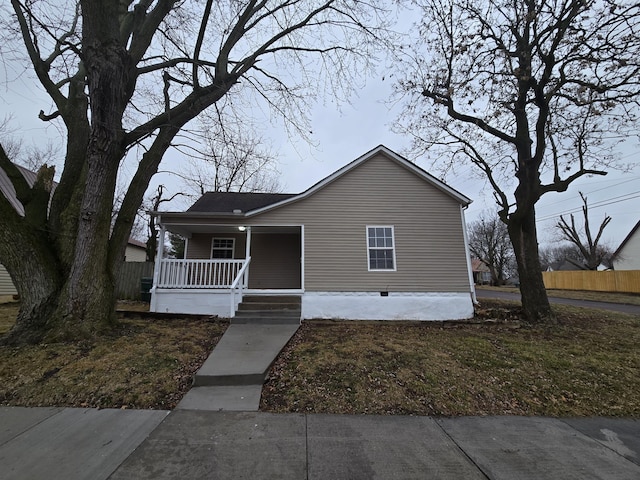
[(153, 204), (232, 156), (127, 76), (591, 248), (532, 93), (489, 242)]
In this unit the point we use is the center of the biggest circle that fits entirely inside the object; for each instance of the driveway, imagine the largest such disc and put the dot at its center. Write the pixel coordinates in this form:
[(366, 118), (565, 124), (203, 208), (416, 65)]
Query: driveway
[(515, 296)]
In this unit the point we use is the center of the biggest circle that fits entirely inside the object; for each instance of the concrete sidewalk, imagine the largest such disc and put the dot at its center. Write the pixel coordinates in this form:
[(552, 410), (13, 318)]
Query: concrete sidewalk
[(75, 444), (70, 443)]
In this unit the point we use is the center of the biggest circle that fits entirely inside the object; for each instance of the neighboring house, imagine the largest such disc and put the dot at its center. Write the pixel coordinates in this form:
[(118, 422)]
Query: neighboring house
[(6, 285), (565, 265), (627, 256), (136, 251), (378, 239), (6, 189), (481, 273)]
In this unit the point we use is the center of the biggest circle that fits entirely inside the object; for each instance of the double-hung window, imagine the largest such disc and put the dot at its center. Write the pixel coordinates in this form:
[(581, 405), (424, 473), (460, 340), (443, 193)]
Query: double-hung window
[(222, 248), (381, 251)]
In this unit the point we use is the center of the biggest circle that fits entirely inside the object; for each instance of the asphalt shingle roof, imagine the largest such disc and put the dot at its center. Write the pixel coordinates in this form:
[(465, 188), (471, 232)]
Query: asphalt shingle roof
[(227, 202)]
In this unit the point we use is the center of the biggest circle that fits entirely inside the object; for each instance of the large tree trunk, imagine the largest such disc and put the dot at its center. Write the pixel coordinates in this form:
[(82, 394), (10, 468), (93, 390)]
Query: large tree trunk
[(88, 298), (524, 237), (35, 273)]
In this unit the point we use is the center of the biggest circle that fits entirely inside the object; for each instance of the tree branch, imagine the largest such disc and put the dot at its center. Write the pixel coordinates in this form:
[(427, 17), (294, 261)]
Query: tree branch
[(40, 67)]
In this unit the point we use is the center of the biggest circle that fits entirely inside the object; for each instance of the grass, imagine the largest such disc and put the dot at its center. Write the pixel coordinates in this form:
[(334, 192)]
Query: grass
[(8, 313), (145, 363), (588, 365)]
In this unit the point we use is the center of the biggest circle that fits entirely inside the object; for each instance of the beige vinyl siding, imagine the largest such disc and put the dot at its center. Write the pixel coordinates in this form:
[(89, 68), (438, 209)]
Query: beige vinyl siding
[(429, 239), (200, 244), (275, 261), (430, 250), (135, 254), (6, 285)]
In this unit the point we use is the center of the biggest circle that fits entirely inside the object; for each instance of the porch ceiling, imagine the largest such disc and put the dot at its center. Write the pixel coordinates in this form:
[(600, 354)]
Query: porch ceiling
[(188, 230)]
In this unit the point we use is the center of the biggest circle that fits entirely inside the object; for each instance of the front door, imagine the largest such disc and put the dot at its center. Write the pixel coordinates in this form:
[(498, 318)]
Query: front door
[(275, 260)]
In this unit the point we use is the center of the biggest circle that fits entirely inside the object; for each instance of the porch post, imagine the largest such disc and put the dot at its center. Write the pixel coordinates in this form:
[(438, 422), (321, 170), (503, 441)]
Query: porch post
[(159, 254), (156, 267), (247, 254)]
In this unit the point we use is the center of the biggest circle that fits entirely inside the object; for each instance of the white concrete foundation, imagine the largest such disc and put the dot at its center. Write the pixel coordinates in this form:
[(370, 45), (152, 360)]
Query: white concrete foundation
[(328, 305), (197, 302), (396, 306)]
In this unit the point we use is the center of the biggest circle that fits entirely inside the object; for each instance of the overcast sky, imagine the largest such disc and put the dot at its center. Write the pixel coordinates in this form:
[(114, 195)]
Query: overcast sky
[(343, 135)]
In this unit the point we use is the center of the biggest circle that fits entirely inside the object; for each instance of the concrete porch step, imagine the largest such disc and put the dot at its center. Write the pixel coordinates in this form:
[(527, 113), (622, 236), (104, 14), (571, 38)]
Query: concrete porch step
[(268, 306), (268, 313), (268, 310), (272, 299), (280, 320)]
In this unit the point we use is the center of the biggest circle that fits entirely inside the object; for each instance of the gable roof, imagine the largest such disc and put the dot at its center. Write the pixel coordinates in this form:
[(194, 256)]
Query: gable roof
[(567, 264), (478, 265), (250, 204), (412, 167), (132, 242), (626, 240), (7, 189)]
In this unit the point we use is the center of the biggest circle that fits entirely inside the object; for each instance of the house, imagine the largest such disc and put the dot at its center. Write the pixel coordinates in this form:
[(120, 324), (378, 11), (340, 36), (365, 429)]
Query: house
[(6, 284), (627, 256), (481, 273), (566, 265), (6, 189), (378, 239), (136, 251)]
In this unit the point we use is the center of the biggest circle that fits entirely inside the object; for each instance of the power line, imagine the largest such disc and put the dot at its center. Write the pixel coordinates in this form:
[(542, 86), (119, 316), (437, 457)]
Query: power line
[(602, 203), (632, 179)]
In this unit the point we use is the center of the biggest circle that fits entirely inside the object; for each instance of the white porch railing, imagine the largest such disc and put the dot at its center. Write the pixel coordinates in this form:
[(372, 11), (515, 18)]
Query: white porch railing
[(180, 273), (238, 284)]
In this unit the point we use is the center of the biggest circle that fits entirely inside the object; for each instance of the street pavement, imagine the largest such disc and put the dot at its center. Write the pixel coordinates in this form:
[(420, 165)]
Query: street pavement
[(515, 295), (75, 444)]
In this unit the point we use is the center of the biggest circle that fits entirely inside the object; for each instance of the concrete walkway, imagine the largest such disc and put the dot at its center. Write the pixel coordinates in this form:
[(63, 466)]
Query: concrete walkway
[(78, 444), (233, 375)]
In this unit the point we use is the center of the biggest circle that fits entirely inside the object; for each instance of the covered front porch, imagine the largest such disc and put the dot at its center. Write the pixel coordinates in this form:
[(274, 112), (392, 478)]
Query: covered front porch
[(222, 263)]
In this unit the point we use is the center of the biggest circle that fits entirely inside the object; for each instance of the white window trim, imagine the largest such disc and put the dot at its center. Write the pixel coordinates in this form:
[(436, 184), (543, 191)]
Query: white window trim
[(233, 247), (393, 248)]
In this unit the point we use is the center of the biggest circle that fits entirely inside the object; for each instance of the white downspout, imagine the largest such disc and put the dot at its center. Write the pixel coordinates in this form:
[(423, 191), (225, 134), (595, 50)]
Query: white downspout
[(472, 285), (302, 258)]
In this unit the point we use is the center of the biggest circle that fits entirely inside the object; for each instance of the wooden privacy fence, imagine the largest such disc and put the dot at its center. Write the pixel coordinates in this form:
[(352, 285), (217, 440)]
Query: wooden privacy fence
[(128, 282), (627, 281)]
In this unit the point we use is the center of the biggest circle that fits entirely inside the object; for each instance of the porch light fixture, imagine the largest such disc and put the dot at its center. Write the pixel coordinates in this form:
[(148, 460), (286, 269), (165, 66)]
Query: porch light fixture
[(242, 228)]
